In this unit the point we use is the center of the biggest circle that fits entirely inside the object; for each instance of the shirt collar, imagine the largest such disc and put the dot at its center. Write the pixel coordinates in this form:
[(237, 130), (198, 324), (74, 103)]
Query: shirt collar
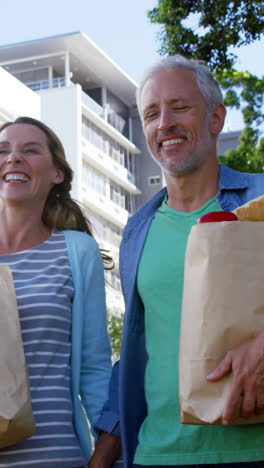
[(231, 180)]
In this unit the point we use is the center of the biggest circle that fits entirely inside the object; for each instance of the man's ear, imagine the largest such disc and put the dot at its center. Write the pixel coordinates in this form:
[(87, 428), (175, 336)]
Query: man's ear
[(217, 118)]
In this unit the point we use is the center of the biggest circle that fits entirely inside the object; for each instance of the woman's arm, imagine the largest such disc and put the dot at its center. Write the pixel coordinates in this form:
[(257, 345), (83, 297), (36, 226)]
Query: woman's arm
[(108, 445), (96, 350)]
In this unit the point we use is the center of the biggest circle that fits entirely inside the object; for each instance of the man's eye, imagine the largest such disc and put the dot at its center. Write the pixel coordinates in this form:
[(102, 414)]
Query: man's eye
[(3, 152), (150, 115), (180, 108)]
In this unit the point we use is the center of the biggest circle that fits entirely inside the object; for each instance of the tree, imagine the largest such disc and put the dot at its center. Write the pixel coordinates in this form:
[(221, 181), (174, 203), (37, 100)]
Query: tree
[(115, 326), (222, 24)]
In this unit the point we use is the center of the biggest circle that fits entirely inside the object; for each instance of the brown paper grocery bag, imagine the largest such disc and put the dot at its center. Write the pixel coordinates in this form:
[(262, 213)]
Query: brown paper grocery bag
[(16, 417), (223, 306)]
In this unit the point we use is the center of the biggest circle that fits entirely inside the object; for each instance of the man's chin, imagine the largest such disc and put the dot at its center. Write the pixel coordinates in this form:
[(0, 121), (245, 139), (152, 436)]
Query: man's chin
[(179, 170)]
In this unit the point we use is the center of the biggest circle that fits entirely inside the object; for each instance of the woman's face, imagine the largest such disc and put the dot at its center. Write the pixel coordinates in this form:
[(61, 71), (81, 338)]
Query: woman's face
[(27, 172)]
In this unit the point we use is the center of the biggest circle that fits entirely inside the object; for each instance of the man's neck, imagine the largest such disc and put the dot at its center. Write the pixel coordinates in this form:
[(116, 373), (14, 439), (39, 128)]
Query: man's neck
[(190, 192)]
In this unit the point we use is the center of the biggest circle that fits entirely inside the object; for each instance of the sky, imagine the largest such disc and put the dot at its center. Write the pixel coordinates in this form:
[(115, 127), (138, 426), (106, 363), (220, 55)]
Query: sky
[(119, 27)]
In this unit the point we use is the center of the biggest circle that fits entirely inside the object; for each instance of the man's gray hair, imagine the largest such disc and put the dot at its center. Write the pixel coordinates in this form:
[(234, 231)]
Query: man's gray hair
[(207, 84)]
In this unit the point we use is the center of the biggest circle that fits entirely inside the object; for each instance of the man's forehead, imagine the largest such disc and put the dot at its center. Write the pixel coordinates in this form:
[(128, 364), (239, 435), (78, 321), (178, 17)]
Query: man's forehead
[(174, 84)]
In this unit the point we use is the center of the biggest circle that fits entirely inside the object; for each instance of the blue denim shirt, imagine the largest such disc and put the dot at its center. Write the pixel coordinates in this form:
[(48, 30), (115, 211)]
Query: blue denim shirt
[(126, 408)]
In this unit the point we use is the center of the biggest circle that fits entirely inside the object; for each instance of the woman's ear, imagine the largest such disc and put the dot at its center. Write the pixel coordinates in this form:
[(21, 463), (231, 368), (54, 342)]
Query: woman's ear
[(59, 176), (217, 118)]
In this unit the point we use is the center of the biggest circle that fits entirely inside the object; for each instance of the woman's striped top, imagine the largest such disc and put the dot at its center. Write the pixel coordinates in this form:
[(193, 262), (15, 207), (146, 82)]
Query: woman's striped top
[(44, 291)]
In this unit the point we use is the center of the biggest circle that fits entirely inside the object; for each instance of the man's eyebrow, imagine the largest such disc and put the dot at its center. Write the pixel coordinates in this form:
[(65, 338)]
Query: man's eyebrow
[(178, 101), (171, 101), (149, 107)]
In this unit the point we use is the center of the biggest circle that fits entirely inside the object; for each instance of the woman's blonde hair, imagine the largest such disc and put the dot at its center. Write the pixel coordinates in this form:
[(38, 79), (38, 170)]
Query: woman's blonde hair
[(61, 212)]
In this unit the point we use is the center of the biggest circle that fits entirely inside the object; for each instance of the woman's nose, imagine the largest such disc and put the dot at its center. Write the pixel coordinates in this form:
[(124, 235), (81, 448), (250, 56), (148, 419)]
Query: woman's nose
[(14, 157)]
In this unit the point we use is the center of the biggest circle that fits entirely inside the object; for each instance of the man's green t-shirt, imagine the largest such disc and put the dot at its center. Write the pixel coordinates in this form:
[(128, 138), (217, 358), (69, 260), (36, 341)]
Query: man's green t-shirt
[(163, 440)]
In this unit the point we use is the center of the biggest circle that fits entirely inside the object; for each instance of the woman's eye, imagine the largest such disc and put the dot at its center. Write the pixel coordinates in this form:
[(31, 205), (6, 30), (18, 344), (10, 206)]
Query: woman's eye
[(3, 152), (30, 151)]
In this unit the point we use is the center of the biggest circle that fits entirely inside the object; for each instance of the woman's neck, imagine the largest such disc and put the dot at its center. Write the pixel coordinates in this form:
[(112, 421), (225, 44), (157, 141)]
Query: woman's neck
[(21, 230)]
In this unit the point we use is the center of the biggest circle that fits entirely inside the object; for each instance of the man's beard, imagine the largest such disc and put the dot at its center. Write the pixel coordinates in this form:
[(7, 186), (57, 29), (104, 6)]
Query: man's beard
[(177, 168)]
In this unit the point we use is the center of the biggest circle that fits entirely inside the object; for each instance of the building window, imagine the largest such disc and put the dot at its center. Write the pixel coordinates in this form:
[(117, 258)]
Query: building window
[(104, 230), (112, 148), (117, 195), (121, 197), (94, 180), (154, 180), (101, 184)]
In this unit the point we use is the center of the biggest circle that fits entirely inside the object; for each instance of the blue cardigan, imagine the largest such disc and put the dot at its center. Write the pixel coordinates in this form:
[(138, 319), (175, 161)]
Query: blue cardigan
[(91, 352)]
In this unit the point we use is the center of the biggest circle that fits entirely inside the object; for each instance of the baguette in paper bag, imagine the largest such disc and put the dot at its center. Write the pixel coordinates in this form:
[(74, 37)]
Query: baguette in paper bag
[(16, 417), (251, 211), (223, 306)]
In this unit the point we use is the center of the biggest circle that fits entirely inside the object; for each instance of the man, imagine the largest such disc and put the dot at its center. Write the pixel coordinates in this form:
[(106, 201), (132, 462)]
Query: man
[(182, 112)]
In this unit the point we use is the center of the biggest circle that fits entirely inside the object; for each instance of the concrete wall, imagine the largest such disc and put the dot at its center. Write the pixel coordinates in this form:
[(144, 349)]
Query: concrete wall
[(61, 109), (144, 163), (228, 140), (16, 99)]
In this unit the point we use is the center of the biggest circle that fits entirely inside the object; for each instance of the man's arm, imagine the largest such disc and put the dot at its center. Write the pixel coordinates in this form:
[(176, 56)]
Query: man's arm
[(246, 362)]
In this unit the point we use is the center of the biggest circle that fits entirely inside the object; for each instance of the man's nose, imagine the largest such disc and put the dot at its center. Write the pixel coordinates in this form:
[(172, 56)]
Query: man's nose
[(165, 120)]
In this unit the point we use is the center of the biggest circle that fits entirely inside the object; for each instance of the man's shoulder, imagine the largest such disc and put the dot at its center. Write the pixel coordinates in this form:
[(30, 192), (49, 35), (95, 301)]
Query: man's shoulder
[(230, 178), (237, 188)]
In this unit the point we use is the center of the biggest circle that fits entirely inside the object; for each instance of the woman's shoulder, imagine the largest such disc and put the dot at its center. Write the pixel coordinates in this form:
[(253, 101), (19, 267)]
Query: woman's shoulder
[(80, 240)]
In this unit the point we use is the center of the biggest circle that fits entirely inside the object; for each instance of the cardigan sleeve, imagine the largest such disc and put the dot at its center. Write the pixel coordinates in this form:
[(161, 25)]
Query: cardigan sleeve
[(109, 418), (95, 350)]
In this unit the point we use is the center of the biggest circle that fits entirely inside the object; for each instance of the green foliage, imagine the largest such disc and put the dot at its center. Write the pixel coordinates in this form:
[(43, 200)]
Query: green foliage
[(247, 157), (242, 87), (221, 25), (115, 326)]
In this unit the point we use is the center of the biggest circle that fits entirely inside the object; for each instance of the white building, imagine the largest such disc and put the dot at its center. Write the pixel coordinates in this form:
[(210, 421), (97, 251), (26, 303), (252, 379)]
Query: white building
[(16, 99), (87, 99), (76, 89)]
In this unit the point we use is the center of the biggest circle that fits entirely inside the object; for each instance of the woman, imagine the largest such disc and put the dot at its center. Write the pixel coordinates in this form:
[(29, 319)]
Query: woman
[(59, 283)]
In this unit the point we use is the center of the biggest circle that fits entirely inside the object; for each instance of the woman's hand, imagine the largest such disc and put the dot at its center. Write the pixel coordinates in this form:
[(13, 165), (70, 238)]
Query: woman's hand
[(107, 450)]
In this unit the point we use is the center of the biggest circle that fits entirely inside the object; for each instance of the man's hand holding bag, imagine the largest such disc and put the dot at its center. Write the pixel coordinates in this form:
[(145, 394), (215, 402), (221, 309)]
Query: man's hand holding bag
[(222, 314)]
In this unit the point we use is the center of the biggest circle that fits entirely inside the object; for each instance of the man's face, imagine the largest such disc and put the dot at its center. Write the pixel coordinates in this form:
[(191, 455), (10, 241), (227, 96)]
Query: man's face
[(177, 125)]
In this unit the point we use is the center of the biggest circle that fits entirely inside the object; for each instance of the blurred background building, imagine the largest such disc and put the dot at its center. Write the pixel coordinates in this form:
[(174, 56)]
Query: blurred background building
[(75, 88)]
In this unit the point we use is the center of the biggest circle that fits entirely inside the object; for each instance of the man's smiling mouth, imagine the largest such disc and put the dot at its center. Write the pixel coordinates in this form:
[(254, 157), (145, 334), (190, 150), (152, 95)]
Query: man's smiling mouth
[(172, 141)]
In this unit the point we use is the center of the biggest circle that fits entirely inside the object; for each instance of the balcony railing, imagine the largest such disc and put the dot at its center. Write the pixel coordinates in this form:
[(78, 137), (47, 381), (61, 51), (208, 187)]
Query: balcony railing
[(105, 113), (92, 105), (115, 120), (103, 160), (104, 207), (45, 84)]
